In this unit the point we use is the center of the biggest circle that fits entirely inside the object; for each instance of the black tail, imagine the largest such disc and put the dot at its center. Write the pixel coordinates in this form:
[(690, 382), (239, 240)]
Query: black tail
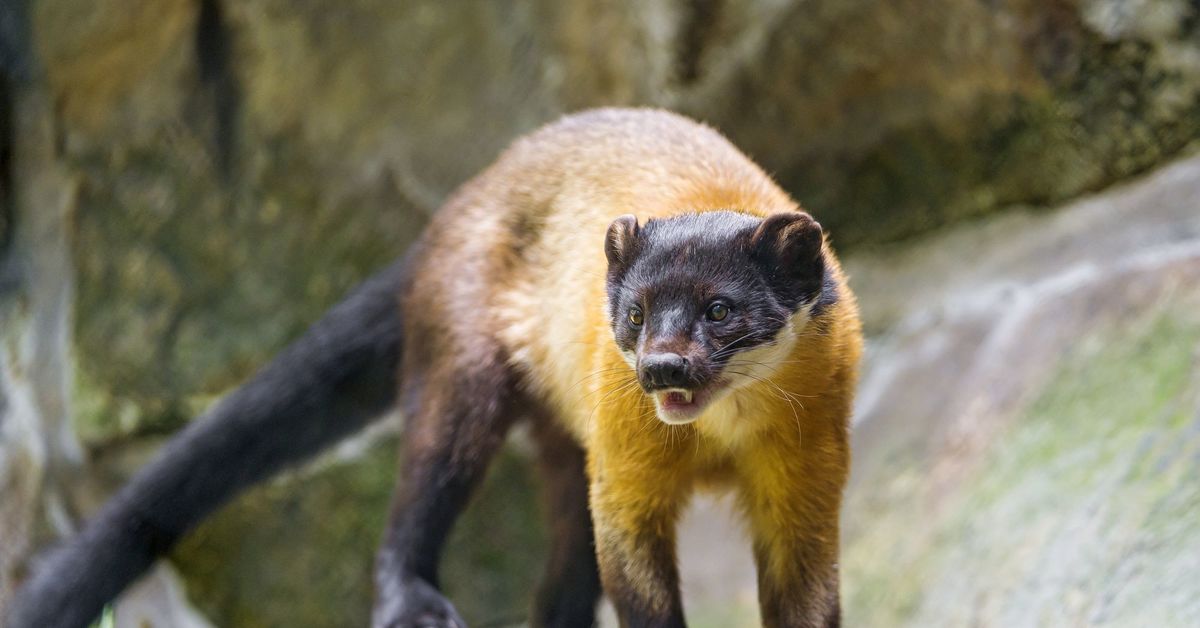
[(327, 385)]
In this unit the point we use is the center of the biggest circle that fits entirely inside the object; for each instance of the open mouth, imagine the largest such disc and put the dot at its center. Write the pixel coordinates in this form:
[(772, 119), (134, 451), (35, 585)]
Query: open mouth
[(677, 398), (679, 405)]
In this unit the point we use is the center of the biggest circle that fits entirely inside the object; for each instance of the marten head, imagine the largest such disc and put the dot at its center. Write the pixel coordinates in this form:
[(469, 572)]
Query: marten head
[(701, 304)]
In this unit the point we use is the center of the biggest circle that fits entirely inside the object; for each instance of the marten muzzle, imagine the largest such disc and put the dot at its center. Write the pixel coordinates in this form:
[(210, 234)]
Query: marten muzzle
[(664, 370)]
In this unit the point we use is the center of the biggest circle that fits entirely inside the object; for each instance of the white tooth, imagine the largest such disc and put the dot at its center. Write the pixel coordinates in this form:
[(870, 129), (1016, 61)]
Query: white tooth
[(687, 396)]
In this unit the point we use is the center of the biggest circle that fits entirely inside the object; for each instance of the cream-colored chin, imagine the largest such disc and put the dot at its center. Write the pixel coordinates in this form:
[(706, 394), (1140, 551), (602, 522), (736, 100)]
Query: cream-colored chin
[(674, 420)]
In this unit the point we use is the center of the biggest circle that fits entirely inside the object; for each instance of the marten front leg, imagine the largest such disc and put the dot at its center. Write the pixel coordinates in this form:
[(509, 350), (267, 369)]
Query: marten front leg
[(636, 503), (458, 415), (791, 492)]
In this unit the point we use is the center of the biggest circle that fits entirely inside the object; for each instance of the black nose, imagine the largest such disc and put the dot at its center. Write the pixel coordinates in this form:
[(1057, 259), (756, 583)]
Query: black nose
[(665, 370)]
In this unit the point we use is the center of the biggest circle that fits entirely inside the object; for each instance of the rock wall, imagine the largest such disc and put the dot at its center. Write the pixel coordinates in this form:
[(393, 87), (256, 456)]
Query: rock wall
[(1028, 433), (225, 170), (239, 156), (40, 456)]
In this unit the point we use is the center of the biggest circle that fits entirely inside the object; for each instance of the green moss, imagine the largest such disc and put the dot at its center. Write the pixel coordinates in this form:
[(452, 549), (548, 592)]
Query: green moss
[(188, 283), (1101, 405)]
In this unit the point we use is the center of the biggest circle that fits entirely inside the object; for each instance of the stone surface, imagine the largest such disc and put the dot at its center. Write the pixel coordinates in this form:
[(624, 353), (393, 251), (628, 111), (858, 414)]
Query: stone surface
[(902, 116), (40, 456), (239, 156), (157, 599), (1028, 431)]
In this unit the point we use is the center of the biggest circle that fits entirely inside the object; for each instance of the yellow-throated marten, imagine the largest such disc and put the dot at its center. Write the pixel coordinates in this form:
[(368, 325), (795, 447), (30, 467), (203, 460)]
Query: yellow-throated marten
[(627, 281)]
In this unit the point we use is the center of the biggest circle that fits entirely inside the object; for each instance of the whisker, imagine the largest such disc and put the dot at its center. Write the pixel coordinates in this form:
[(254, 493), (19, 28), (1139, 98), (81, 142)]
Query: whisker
[(618, 390), (599, 372), (784, 395), (729, 347)]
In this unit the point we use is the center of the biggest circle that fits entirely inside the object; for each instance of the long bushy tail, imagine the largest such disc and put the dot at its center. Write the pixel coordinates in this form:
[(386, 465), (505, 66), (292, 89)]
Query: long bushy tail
[(331, 382)]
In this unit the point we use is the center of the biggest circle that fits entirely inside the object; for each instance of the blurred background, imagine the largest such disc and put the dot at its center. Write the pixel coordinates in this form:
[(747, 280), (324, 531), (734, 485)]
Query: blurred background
[(1013, 185)]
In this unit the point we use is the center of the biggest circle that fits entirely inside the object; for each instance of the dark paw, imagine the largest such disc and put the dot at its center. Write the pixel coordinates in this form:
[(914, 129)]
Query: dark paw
[(416, 604)]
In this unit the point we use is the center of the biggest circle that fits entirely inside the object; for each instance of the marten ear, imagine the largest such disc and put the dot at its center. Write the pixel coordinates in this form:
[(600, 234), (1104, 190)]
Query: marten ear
[(621, 243), (788, 246)]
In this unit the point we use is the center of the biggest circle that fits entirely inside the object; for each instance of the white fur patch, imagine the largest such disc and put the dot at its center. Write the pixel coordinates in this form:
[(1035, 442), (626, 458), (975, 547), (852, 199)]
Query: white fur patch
[(729, 418)]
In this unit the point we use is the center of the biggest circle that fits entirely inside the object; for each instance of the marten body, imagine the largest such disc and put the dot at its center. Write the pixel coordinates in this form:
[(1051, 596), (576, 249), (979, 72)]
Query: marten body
[(659, 310), (510, 289)]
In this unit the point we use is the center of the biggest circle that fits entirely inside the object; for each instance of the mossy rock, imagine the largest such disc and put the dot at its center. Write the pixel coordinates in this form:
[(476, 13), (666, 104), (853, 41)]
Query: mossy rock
[(905, 116), (299, 551), (1080, 512)]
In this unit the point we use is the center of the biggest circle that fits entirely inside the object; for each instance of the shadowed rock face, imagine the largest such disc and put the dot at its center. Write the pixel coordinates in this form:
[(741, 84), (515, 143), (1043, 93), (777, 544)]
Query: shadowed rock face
[(239, 165)]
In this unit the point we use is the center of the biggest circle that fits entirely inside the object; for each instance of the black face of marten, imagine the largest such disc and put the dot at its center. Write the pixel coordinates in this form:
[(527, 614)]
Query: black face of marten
[(692, 297)]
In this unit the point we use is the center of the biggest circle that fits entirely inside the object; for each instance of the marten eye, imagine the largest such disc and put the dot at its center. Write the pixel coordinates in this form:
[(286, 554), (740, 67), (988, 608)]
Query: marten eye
[(717, 312), (635, 316)]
